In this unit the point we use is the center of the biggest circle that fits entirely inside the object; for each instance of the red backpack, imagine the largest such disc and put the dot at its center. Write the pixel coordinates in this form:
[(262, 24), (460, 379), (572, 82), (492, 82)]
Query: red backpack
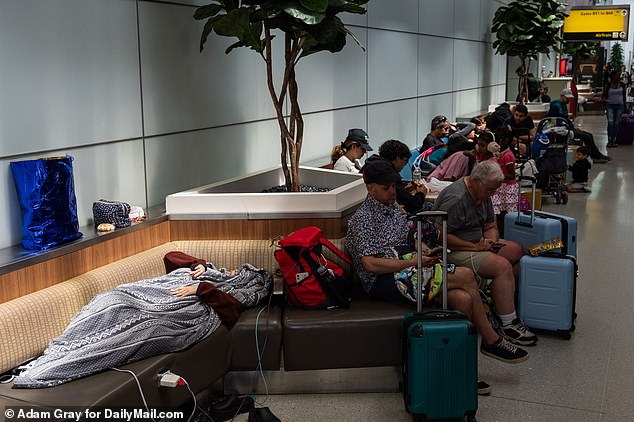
[(310, 279)]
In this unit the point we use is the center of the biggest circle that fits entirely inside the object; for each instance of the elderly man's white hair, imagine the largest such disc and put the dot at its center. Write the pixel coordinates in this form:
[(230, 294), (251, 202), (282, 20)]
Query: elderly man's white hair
[(487, 171)]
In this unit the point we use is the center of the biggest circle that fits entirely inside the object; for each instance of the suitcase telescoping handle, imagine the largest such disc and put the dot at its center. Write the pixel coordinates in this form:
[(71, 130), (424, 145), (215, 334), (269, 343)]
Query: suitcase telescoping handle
[(533, 181), (419, 230)]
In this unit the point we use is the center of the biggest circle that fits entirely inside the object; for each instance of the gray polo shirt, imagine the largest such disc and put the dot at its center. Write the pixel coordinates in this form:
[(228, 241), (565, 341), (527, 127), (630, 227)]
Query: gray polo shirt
[(466, 219)]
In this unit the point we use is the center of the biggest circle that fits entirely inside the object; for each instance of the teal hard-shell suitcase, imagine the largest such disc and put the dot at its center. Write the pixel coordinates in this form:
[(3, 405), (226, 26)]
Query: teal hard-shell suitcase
[(440, 356)]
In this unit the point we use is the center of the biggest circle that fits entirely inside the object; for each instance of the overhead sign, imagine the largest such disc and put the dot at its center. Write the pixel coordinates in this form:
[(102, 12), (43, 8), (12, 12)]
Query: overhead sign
[(599, 23)]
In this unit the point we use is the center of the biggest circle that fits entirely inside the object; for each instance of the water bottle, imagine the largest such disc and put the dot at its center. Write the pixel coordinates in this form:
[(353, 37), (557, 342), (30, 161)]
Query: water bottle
[(417, 175)]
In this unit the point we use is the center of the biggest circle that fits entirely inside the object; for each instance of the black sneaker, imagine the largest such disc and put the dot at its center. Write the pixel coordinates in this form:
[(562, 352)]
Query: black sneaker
[(505, 351), (484, 388), (518, 333)]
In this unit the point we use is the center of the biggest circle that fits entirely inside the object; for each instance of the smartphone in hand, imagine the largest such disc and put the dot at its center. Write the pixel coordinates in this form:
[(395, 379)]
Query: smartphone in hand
[(495, 247), (436, 252)]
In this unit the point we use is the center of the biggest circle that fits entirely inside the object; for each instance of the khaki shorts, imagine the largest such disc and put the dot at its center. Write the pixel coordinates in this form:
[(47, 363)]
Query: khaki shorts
[(471, 260)]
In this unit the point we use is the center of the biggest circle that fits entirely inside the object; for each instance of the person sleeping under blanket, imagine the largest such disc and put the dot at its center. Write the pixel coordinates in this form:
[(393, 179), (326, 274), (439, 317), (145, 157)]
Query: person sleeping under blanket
[(149, 317)]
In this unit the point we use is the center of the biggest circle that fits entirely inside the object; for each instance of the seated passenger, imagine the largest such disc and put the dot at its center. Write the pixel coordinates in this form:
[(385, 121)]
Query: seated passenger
[(458, 161), (439, 129), (558, 108), (523, 128), (474, 242), (380, 245), (499, 116), (480, 125), (346, 156), (412, 195), (482, 152)]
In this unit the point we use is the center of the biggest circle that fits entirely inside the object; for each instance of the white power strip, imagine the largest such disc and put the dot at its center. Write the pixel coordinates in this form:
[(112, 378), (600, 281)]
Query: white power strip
[(169, 379)]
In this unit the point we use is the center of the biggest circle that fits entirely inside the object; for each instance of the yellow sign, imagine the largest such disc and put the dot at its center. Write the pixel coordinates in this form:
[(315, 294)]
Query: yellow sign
[(599, 23)]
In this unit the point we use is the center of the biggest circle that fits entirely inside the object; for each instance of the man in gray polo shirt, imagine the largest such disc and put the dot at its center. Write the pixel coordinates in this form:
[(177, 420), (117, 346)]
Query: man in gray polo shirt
[(474, 241)]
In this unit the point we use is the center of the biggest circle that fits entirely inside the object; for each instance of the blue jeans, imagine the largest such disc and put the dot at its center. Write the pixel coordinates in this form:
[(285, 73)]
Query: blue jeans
[(614, 112)]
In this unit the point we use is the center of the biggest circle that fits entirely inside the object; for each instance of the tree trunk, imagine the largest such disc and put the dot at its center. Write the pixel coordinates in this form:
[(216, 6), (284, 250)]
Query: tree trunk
[(278, 104)]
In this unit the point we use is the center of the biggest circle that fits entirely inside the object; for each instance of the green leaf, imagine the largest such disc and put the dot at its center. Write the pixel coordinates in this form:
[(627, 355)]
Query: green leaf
[(208, 11), (346, 6), (354, 37), (315, 5), (304, 15), (234, 45), (233, 23), (209, 26)]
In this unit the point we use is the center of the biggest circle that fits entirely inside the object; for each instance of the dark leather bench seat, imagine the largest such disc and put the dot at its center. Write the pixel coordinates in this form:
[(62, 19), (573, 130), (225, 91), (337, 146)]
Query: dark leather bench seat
[(365, 335), (244, 356), (200, 365)]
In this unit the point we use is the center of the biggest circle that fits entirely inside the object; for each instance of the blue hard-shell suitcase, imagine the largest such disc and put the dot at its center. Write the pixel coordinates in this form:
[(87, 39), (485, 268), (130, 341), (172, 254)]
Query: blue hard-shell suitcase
[(547, 292), (530, 228), (440, 355)]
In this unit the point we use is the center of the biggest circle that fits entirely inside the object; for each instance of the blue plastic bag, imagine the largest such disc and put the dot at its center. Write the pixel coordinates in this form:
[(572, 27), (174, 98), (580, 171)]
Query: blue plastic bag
[(46, 191)]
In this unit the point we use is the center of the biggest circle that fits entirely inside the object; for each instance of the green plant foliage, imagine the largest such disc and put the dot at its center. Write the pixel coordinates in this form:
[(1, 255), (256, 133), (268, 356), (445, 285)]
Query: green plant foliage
[(616, 56), (313, 21), (580, 50), (527, 27)]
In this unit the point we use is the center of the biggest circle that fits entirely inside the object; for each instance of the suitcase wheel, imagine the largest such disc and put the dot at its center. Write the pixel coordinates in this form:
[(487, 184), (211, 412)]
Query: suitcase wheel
[(471, 418), (564, 198), (566, 335)]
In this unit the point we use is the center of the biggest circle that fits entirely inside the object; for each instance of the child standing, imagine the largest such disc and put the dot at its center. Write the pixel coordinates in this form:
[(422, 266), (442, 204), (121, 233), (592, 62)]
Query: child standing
[(505, 198), (580, 170)]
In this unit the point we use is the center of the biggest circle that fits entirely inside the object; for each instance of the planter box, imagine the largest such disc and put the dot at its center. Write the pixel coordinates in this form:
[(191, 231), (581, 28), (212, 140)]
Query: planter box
[(241, 197)]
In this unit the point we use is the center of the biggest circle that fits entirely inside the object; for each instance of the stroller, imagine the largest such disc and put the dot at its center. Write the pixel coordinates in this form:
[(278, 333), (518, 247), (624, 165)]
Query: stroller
[(549, 151)]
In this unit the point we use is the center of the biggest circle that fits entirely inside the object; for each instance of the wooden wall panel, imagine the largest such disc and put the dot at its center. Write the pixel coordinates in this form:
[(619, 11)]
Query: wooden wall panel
[(56, 270), (333, 228)]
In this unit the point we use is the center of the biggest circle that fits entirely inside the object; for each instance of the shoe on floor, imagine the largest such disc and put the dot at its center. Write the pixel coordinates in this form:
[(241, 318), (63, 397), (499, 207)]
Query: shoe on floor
[(262, 414), (587, 189), (484, 388), (504, 351), (230, 406), (518, 333)]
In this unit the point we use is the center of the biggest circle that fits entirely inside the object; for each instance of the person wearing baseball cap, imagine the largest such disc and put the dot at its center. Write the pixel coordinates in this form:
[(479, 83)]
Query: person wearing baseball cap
[(380, 241), (345, 156), (559, 108)]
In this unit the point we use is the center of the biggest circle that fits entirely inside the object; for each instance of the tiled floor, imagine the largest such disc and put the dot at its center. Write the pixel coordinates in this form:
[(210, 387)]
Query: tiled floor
[(589, 378)]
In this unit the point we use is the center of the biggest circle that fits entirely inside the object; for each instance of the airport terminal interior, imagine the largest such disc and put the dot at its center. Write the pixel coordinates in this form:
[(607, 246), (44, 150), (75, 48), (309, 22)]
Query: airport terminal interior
[(589, 378), (123, 87)]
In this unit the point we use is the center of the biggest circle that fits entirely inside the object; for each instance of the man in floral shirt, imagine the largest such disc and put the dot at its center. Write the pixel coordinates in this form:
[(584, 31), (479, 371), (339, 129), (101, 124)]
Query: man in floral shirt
[(378, 235)]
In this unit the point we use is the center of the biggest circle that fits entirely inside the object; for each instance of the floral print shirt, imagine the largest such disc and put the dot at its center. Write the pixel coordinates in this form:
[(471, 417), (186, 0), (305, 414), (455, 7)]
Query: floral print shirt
[(376, 230)]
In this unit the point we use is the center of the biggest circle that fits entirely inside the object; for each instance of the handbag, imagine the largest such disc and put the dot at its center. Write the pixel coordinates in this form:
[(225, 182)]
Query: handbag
[(113, 212)]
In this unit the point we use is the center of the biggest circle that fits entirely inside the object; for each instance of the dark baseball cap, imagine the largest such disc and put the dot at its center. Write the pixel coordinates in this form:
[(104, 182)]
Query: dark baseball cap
[(360, 136), (381, 172)]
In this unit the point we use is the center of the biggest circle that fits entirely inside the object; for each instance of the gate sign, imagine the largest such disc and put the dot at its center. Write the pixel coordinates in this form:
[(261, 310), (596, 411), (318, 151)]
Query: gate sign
[(599, 23)]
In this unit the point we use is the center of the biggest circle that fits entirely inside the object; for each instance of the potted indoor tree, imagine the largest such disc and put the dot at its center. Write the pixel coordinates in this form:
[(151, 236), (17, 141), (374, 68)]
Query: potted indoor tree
[(526, 28), (308, 26)]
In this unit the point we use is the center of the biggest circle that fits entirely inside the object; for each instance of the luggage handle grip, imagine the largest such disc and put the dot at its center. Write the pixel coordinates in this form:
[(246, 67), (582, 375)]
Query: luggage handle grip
[(419, 267), (425, 214)]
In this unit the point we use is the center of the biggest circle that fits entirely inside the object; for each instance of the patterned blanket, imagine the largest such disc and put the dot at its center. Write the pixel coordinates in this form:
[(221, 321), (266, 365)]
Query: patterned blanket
[(138, 320)]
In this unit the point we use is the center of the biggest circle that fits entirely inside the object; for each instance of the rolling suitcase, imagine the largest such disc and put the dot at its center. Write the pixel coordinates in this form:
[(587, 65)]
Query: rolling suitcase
[(440, 360), (547, 292), (626, 130), (530, 228)]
